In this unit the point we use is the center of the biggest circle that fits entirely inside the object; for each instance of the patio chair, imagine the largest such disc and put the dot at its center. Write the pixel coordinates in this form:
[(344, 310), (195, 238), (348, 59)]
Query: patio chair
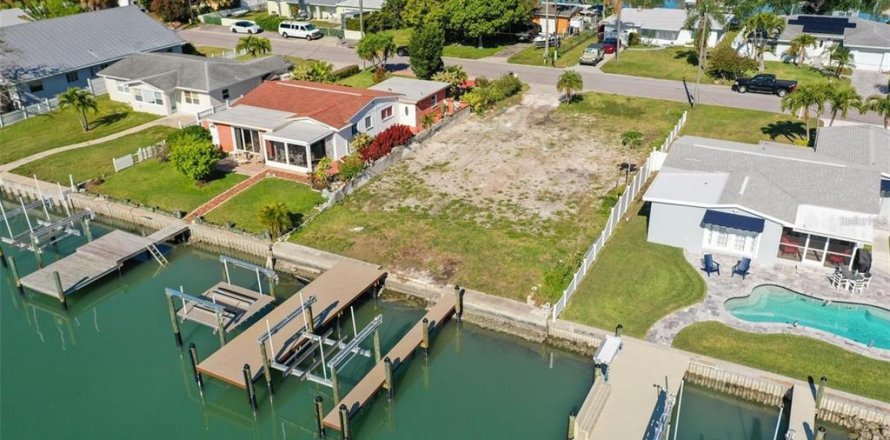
[(836, 278), (709, 265), (857, 287), (743, 267)]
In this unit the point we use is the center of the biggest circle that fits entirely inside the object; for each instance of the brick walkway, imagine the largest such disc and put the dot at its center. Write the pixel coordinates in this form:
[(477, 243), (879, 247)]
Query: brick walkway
[(225, 196)]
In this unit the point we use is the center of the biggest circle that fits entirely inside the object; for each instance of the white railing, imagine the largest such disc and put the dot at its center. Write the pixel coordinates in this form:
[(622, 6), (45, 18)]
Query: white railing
[(652, 164), (124, 162), (46, 105)]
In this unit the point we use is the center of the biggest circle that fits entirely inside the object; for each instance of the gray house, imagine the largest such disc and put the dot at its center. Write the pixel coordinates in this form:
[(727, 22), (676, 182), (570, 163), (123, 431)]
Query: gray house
[(768, 202), (47, 57)]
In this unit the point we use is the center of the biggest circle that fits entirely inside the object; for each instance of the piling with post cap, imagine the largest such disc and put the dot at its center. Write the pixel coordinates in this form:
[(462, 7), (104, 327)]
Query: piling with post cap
[(345, 429), (193, 355), (820, 392), (3, 258), (458, 302), (376, 346), (172, 308), (59, 291), (319, 416), (387, 372), (571, 428), (310, 320), (267, 372), (618, 330), (425, 342), (86, 229), (248, 385), (220, 328), (36, 248), (820, 433), (15, 274), (596, 369), (335, 384)]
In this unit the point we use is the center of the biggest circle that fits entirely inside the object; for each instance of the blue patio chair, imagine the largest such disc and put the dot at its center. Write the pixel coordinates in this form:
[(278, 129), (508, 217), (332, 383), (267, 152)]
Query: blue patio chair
[(743, 267), (709, 265)]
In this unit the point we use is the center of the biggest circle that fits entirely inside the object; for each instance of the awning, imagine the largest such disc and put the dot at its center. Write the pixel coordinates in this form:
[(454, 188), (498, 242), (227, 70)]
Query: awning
[(733, 221)]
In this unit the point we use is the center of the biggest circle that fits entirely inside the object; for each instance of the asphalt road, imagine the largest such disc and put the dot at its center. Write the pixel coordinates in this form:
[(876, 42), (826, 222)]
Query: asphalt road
[(543, 78)]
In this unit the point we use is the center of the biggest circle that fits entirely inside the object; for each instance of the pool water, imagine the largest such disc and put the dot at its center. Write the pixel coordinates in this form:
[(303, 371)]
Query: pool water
[(865, 324), (109, 368), (703, 414)]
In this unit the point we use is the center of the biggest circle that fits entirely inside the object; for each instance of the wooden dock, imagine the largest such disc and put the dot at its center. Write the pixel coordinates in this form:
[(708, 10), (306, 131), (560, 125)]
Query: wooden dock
[(96, 259), (373, 381), (240, 306), (802, 419), (334, 291)]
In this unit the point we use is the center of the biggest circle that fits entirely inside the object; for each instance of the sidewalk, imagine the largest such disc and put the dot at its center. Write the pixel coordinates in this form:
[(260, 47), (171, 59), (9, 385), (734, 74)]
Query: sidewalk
[(172, 121)]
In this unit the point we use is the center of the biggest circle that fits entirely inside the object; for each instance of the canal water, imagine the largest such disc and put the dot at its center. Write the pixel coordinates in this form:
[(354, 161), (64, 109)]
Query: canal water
[(703, 414), (109, 368)]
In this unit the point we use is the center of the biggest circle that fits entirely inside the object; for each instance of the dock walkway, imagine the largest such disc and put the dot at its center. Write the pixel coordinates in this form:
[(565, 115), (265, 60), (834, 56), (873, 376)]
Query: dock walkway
[(373, 381), (334, 291), (802, 419), (240, 306), (96, 259)]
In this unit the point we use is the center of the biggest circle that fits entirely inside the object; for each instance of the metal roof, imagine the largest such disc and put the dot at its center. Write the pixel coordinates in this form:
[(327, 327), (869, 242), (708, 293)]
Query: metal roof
[(860, 144), (663, 19), (412, 89), (251, 117), (9, 17), (167, 71), (49, 47), (304, 131)]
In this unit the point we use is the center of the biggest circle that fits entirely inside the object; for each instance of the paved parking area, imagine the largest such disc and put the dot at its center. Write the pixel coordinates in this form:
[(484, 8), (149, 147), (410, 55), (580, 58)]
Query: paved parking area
[(869, 83)]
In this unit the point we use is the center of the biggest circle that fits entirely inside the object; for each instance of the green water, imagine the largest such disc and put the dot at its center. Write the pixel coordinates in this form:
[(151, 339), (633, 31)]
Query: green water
[(109, 368), (709, 415)]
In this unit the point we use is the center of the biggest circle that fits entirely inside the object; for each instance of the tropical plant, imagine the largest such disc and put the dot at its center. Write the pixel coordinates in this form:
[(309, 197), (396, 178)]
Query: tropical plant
[(376, 48), (764, 26), (360, 141), (879, 104), (454, 76), (700, 18), (44, 9), (842, 57), (379, 75), (321, 174), (316, 71), (799, 47), (425, 49), (194, 157), (351, 166), (81, 101), (388, 139), (254, 45), (842, 99), (269, 23), (276, 218), (569, 83), (428, 120), (804, 98)]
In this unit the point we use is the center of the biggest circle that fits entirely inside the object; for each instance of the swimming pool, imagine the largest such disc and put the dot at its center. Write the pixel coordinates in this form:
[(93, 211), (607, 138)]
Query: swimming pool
[(865, 324)]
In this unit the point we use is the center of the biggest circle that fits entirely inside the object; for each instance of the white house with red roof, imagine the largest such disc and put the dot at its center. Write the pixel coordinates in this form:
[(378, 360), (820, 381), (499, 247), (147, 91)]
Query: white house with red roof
[(292, 125)]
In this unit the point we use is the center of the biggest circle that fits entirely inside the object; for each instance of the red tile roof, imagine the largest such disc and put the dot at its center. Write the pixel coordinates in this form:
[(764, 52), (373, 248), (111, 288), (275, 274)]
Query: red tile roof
[(327, 103)]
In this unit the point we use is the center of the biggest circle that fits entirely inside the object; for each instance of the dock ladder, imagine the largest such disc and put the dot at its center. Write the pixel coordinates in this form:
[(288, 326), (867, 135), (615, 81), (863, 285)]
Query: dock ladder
[(156, 253)]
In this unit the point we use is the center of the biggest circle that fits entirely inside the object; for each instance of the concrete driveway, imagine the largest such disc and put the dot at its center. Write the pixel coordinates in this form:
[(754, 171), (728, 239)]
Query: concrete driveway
[(868, 83)]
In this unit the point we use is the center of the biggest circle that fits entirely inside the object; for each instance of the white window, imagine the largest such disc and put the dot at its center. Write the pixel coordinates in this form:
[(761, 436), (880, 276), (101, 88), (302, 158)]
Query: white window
[(386, 113), (728, 239), (368, 124), (137, 95), (435, 99), (191, 97), (71, 77), (156, 98), (123, 88)]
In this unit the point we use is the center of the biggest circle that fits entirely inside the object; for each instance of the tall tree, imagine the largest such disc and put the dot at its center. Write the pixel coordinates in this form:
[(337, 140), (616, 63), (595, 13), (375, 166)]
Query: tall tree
[(477, 19), (879, 104), (81, 101), (417, 12), (842, 99), (569, 83), (376, 48), (276, 218), (171, 10), (841, 57), (44, 9), (764, 26), (700, 18), (822, 7), (799, 47), (254, 45), (425, 49), (805, 98)]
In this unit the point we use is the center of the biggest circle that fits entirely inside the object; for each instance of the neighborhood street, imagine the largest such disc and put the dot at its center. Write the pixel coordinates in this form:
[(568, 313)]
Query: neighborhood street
[(332, 50)]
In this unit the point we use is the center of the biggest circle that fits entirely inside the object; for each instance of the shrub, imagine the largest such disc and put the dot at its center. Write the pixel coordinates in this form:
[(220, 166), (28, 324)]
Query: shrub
[(487, 93), (316, 71), (379, 74), (385, 141), (361, 141), (633, 39), (321, 175), (191, 132), (353, 24), (428, 120), (632, 139), (345, 72), (195, 157), (725, 63), (275, 218), (482, 81), (351, 166), (269, 23)]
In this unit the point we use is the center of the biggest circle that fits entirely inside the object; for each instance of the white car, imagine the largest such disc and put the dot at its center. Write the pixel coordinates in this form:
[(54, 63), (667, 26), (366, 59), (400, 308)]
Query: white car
[(299, 29), (245, 27)]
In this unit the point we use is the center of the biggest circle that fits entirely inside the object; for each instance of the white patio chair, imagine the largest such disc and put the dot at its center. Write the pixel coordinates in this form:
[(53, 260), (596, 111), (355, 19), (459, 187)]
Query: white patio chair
[(857, 287), (836, 278)]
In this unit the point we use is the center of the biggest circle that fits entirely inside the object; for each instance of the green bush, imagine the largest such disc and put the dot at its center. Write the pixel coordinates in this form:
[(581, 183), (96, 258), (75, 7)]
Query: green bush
[(213, 19), (632, 139), (487, 93), (505, 86), (346, 72), (351, 166), (194, 157), (353, 24), (633, 39), (193, 131), (725, 63), (361, 141), (269, 23)]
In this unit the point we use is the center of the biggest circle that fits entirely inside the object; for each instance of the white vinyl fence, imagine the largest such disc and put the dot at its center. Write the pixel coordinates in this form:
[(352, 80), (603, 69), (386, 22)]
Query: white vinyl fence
[(652, 164), (47, 105), (124, 162)]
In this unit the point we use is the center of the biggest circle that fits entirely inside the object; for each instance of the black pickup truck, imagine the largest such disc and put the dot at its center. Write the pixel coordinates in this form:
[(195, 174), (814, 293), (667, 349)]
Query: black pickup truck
[(764, 83)]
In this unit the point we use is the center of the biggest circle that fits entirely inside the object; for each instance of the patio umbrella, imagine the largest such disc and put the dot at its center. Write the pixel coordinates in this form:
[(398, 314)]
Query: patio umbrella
[(863, 262)]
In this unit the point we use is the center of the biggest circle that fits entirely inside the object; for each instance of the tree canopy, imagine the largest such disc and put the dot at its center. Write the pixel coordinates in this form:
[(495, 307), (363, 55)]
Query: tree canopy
[(483, 18), (376, 48), (193, 155), (425, 49), (254, 45)]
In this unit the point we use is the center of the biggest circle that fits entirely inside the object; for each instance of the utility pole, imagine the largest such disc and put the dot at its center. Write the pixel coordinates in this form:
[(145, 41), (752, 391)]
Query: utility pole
[(546, 31), (703, 36), (361, 17), (617, 4)]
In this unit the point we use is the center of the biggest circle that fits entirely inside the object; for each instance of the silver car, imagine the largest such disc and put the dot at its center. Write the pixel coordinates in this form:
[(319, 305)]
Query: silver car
[(245, 27)]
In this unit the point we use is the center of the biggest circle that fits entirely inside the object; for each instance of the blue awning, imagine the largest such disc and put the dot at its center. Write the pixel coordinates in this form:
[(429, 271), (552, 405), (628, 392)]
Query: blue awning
[(885, 185), (733, 221)]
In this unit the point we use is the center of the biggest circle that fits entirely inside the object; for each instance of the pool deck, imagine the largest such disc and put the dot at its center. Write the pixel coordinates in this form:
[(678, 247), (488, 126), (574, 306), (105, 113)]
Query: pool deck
[(812, 281)]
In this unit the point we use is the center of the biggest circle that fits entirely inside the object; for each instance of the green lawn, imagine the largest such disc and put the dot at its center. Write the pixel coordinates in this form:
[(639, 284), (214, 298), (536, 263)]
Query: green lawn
[(569, 52), (156, 183), (62, 127), (401, 36), (91, 162), (471, 52), (794, 356), (634, 283), (211, 51), (362, 80), (243, 209)]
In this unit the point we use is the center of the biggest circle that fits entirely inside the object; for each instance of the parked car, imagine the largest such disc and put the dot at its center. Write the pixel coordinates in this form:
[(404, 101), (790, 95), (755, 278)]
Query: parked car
[(611, 44), (402, 51), (541, 40), (764, 83), (245, 27), (528, 34), (299, 29), (592, 55)]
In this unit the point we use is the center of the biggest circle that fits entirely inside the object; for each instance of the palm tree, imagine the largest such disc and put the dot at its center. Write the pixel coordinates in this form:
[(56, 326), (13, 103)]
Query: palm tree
[(765, 26), (81, 101), (799, 47), (700, 18), (454, 76), (570, 82), (276, 218), (803, 99), (843, 57), (879, 104), (842, 99), (254, 45), (315, 71)]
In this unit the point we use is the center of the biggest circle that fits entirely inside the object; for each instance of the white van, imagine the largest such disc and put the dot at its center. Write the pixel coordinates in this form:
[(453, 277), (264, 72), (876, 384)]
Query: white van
[(299, 29)]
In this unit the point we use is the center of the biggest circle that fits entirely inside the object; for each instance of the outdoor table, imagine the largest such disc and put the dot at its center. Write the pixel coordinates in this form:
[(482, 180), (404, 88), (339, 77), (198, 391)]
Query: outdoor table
[(848, 274)]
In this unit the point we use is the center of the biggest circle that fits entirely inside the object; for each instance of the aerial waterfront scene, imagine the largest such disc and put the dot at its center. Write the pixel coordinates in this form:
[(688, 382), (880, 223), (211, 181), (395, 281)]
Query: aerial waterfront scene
[(439, 219)]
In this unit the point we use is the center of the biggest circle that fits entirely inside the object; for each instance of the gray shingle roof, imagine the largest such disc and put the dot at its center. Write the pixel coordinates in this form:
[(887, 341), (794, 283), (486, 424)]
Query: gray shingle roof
[(775, 180), (170, 70), (860, 144), (50, 47), (865, 33)]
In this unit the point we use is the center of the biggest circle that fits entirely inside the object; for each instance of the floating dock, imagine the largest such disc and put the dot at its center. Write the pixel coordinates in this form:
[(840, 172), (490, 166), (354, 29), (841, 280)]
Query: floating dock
[(334, 291), (239, 306), (374, 380), (96, 259)]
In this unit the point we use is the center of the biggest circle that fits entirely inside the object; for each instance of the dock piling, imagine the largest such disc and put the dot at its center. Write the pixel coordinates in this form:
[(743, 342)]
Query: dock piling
[(2, 258), (174, 321), (425, 342), (60, 291), (319, 416), (376, 346), (248, 385), (15, 274), (820, 433), (618, 330), (344, 422), (36, 248), (823, 381), (458, 302), (193, 355), (571, 428), (335, 385), (267, 371), (310, 320), (387, 371), (85, 223)]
